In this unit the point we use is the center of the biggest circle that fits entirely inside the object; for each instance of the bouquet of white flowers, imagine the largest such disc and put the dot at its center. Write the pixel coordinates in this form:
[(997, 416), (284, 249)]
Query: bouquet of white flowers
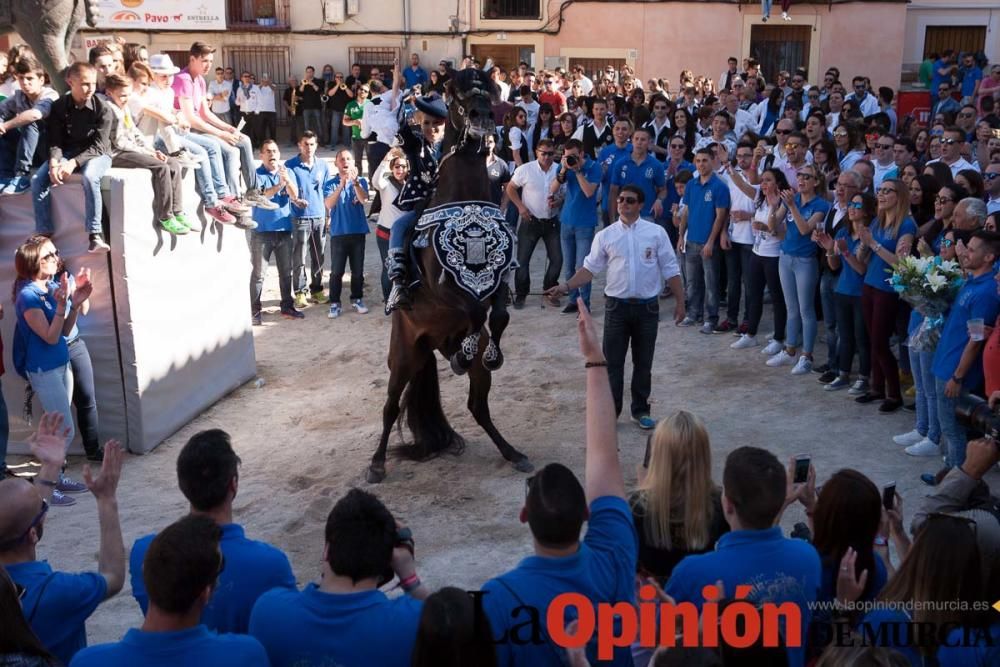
[(930, 286)]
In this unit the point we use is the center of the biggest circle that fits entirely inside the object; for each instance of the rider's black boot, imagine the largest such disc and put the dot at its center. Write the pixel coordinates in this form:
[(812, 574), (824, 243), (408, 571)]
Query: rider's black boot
[(399, 296)]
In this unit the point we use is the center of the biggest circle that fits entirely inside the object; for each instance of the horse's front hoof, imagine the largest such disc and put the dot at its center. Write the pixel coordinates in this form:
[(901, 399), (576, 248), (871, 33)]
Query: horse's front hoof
[(375, 474), (456, 364), (523, 465), (493, 362)]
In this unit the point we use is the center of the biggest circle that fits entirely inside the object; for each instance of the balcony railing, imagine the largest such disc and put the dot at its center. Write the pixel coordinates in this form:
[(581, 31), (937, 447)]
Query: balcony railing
[(511, 9), (268, 15)]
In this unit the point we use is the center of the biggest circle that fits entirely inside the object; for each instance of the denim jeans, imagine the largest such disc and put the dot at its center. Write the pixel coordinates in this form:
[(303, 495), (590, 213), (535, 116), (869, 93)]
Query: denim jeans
[(92, 173), (927, 400), (84, 394), (400, 228), (54, 389), (737, 271), (634, 324), (309, 239), (703, 281), (529, 232), (312, 119), (262, 246), (339, 135), (576, 242), (765, 8), (236, 160), (827, 283), (798, 284), (211, 176), (19, 147), (953, 432), (344, 249)]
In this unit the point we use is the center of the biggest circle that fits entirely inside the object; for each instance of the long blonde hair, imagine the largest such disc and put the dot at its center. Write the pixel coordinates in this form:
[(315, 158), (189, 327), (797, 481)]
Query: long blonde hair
[(678, 487)]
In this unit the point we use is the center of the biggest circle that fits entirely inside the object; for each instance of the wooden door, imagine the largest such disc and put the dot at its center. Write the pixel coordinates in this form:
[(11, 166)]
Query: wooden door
[(780, 47), (961, 38)]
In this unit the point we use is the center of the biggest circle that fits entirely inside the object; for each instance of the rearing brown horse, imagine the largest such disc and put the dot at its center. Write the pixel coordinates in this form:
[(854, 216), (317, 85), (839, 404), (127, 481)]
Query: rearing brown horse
[(444, 317)]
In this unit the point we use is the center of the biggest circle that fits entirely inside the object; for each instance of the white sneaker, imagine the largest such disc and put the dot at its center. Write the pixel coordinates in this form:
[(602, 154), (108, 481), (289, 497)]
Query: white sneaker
[(744, 341), (923, 448), (359, 306), (804, 365), (781, 359), (859, 388), (785, 16), (907, 439), (772, 348)]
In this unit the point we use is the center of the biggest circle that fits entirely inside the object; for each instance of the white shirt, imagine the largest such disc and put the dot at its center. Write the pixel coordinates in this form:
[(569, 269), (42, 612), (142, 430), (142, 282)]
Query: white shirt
[(531, 108), (739, 232), (578, 134), (869, 105), (535, 187), (389, 214), (265, 99), (637, 257), (380, 119), (220, 87), (765, 244), (586, 85), (247, 102), (957, 166)]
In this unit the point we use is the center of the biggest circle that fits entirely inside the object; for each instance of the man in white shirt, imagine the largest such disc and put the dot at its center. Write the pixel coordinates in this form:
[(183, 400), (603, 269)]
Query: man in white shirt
[(867, 102), (246, 100), (739, 238), (586, 85), (267, 110), (538, 222), (991, 178), (597, 133), (638, 257), (885, 163), (952, 142), (219, 92), (727, 78)]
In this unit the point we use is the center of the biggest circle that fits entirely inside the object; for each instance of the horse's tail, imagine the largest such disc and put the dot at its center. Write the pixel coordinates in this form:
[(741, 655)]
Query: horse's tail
[(421, 407)]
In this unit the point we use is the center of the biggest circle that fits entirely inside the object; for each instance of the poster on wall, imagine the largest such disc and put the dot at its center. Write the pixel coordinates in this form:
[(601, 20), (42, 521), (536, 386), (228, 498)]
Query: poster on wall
[(162, 15)]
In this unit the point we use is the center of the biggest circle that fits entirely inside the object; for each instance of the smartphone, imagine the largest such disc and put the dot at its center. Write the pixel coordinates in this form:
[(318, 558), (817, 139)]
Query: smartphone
[(801, 469), (889, 495)]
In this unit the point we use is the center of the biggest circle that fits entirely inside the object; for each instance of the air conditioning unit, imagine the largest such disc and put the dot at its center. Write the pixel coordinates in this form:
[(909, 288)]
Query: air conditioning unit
[(353, 7), (333, 11)]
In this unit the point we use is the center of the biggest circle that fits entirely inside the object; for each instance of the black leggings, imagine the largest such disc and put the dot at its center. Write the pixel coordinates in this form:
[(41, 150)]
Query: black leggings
[(84, 395), (853, 336), (764, 271)]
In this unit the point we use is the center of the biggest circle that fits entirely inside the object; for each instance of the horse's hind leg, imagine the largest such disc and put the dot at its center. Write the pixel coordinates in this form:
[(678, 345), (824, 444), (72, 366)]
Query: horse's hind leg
[(401, 371), (499, 319), (480, 382)]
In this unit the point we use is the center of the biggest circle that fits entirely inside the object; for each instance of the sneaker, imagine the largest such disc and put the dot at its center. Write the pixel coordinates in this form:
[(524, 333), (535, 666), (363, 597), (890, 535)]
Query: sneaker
[(934, 478), (518, 302), (772, 348), (744, 341), (839, 383), (254, 198), (923, 447), (292, 314), (785, 16), (645, 422), (182, 219), (67, 485), (909, 438), (186, 159), (821, 369), (6, 186), (359, 306), (172, 226), (245, 222), (17, 185), (706, 328), (234, 205), (687, 322), (763, 19), (60, 499), (570, 308), (803, 366), (97, 245), (220, 214), (868, 397), (301, 301), (725, 326), (827, 377), (334, 311), (782, 358), (256, 320), (859, 388), (319, 296)]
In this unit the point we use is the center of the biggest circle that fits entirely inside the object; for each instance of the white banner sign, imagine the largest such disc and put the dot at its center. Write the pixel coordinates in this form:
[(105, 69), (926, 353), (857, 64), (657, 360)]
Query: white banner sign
[(162, 15)]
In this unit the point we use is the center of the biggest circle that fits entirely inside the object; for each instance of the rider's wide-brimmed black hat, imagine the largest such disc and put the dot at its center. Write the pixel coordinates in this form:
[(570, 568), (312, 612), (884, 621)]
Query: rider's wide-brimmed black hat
[(433, 105)]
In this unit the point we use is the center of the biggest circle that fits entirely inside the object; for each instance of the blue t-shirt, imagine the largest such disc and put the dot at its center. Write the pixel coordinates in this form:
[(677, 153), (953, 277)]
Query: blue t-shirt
[(252, 569), (607, 158), (879, 271), (937, 78), (977, 649), (777, 568), (415, 76), (313, 186), (40, 355), (194, 647), (58, 604), (347, 630), (348, 216), (648, 175), (850, 281), (602, 570), (672, 196), (279, 219), (970, 75), (702, 200), (977, 299), (794, 243), (579, 210)]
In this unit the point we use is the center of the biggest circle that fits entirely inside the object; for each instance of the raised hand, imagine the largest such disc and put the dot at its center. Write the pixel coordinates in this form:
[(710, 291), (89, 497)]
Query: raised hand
[(105, 485), (48, 443), (84, 287), (590, 344), (849, 586)]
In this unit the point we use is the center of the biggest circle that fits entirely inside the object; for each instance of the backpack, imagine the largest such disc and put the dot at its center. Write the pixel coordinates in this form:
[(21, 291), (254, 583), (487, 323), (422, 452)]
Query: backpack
[(20, 350)]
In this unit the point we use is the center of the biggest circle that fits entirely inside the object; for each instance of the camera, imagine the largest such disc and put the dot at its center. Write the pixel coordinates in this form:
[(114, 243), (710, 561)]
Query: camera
[(974, 413), (571, 160)]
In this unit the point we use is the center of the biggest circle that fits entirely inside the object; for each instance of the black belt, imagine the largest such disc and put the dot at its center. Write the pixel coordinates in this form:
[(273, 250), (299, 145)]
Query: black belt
[(634, 302), (73, 342)]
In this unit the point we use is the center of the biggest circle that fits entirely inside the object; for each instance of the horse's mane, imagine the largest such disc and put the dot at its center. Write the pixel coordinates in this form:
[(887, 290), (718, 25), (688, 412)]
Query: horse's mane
[(465, 82)]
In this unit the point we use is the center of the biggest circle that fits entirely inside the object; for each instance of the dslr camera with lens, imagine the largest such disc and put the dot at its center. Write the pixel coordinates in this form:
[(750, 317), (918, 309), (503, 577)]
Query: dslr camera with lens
[(974, 413), (571, 160)]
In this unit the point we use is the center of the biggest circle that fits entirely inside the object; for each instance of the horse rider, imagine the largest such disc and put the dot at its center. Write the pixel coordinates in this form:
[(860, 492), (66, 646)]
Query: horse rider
[(421, 142)]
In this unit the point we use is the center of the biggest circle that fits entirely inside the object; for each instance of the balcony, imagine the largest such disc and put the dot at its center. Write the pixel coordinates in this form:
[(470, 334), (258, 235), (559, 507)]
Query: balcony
[(518, 10), (258, 15)]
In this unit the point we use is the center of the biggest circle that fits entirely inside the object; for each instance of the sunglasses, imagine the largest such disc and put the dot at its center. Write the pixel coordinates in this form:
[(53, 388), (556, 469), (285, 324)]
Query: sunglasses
[(966, 115), (887, 191), (947, 243), (950, 142), (943, 200), (628, 200), (840, 135), (790, 145), (990, 176), (856, 205), (804, 176), (885, 146), (872, 137), (677, 146), (782, 131)]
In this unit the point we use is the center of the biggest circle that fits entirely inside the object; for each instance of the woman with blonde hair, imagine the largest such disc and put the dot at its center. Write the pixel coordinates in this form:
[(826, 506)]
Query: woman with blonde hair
[(677, 508)]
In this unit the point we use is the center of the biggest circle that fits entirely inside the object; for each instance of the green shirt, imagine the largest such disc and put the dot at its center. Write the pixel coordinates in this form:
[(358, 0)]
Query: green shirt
[(926, 72), (354, 111)]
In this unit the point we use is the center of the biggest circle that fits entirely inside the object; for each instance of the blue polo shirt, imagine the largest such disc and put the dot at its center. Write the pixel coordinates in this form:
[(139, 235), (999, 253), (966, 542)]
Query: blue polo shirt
[(194, 647), (347, 630), (794, 243), (607, 158), (895, 634), (702, 200), (778, 570), (415, 76), (312, 183), (649, 175), (977, 299), (850, 281), (879, 272), (578, 210), (348, 216), (970, 75), (280, 219), (252, 569), (58, 604), (602, 570), (41, 356)]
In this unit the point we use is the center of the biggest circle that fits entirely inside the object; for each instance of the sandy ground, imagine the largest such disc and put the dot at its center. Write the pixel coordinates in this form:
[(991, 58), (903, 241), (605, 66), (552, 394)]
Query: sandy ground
[(307, 435)]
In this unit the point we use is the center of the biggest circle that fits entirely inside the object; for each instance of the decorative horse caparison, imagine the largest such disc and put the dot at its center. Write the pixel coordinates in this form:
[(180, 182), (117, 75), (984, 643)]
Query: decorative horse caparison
[(444, 317)]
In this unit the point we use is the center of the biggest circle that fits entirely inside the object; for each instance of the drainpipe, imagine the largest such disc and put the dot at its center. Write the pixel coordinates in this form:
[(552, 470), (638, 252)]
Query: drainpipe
[(406, 32)]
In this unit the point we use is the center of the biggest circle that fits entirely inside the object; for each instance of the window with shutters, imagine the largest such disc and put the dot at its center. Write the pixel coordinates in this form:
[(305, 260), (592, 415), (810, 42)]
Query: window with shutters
[(258, 15), (511, 9), (258, 60), (960, 38)]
